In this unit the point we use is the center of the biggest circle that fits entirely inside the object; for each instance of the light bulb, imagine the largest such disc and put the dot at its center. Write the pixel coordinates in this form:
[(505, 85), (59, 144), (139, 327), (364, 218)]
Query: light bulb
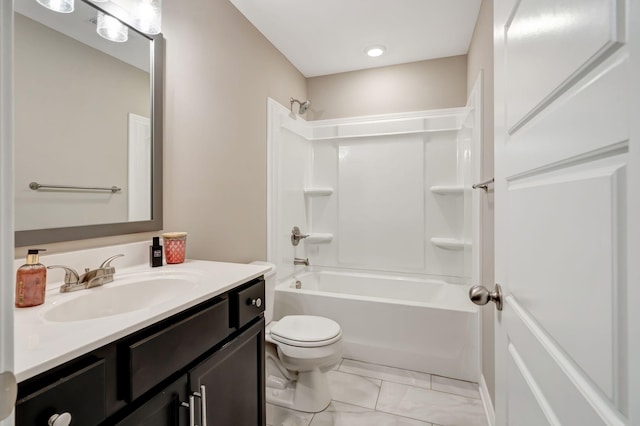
[(112, 29), (147, 16), (375, 51), (62, 6)]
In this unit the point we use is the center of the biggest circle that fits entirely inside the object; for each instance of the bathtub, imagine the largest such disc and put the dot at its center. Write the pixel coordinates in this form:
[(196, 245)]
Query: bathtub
[(417, 324)]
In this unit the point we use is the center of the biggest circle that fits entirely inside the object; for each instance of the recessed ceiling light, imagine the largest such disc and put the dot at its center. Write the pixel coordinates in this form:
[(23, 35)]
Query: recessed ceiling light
[(375, 51)]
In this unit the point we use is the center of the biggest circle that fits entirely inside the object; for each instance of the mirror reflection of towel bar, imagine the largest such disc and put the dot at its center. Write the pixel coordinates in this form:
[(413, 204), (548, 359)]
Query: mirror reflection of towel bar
[(483, 185), (36, 186)]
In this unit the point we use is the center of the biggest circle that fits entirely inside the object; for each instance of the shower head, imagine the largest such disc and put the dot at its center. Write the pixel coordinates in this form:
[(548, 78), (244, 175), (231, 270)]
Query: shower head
[(304, 106)]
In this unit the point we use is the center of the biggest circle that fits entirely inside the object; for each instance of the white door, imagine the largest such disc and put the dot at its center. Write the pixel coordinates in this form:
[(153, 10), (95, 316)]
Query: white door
[(567, 211), (139, 168), (7, 381)]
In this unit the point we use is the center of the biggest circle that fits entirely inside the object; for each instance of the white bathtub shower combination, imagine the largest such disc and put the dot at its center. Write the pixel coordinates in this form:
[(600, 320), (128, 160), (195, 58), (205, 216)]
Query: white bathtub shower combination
[(415, 324), (385, 201)]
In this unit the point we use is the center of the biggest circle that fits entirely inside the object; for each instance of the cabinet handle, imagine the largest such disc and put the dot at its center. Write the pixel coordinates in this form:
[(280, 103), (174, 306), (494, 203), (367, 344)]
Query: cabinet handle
[(203, 403), (257, 302), (63, 419), (190, 405)]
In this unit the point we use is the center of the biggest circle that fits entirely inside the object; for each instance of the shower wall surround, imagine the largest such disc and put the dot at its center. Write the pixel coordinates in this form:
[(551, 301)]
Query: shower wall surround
[(379, 193)]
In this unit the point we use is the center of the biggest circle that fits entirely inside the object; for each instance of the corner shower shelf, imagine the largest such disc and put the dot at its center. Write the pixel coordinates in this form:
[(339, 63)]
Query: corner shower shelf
[(319, 191), (447, 189), (318, 238), (449, 243)]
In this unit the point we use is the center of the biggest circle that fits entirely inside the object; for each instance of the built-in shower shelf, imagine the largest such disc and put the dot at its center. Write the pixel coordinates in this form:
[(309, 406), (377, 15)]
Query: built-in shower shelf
[(318, 191), (318, 238), (447, 189), (449, 243)]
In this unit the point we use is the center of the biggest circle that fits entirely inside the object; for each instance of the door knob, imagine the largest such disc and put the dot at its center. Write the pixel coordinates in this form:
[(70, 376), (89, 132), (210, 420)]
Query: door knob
[(480, 295)]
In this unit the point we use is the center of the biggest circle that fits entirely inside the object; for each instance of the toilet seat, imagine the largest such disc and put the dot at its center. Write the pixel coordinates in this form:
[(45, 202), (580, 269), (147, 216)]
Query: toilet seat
[(306, 331)]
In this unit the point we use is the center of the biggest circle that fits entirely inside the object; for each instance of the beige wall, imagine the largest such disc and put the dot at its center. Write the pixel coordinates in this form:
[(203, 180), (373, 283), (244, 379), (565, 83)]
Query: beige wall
[(417, 86), (480, 57), (219, 72), (80, 99)]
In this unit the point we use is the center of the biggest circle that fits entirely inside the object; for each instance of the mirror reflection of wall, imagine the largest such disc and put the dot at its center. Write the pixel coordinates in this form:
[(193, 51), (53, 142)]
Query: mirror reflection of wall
[(79, 112)]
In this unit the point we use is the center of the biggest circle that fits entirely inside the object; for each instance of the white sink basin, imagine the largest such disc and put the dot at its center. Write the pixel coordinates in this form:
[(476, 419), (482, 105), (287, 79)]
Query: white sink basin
[(110, 299)]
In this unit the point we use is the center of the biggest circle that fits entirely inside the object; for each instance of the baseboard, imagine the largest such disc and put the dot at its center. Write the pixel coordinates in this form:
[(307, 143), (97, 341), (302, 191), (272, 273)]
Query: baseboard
[(489, 411)]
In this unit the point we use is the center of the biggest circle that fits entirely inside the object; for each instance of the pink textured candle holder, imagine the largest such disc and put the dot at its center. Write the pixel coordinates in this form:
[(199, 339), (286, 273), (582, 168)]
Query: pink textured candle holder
[(175, 246)]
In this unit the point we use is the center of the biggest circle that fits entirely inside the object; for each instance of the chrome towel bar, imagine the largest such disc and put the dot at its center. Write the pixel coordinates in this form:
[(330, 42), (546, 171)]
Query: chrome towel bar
[(36, 186), (484, 184)]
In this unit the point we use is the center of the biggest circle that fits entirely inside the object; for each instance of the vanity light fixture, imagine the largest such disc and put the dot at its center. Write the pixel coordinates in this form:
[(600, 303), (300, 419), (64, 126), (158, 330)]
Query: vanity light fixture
[(147, 15), (110, 28), (62, 6), (375, 51)]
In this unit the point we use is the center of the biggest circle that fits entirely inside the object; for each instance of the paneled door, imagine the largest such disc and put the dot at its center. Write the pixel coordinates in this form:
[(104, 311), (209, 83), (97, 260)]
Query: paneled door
[(567, 212)]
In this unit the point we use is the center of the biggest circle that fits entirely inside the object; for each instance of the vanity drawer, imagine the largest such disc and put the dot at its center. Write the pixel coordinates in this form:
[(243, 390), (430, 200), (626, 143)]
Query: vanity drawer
[(153, 358), (247, 303), (79, 391)]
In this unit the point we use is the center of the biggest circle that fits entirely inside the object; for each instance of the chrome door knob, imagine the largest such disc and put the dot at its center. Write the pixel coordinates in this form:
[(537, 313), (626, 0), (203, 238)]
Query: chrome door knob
[(63, 419), (480, 295)]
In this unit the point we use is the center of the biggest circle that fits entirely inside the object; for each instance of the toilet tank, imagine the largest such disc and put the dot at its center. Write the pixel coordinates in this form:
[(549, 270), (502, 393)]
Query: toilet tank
[(269, 289)]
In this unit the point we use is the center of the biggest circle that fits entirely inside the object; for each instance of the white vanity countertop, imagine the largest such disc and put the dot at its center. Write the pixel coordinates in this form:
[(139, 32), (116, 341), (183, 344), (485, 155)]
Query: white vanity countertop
[(41, 344)]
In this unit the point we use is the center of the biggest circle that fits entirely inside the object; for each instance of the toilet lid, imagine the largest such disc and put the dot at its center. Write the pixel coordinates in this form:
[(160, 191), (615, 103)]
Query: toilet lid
[(306, 331)]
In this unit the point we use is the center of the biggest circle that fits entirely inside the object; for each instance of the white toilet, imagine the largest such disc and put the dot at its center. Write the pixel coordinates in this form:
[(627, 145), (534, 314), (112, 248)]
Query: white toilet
[(300, 349)]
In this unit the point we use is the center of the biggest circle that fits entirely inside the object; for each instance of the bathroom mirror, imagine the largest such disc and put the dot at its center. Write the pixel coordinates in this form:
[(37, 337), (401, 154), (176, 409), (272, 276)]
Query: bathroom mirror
[(87, 126)]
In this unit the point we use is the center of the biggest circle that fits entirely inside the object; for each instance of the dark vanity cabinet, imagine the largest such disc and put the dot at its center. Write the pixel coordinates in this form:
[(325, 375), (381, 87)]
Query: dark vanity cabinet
[(204, 366)]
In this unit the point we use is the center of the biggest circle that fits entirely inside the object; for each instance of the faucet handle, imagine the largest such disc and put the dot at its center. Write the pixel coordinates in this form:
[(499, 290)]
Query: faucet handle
[(107, 263), (70, 274), (296, 236)]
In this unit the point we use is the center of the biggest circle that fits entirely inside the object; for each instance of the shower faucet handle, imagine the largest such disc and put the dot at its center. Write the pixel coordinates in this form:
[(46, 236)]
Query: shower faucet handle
[(296, 236)]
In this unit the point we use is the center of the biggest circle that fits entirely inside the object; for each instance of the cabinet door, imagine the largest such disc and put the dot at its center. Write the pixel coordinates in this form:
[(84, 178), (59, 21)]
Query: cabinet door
[(233, 380), (164, 409), (77, 390)]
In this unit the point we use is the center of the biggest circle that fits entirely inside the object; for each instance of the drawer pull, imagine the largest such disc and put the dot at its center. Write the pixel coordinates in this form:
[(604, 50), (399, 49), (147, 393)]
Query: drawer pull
[(63, 419), (257, 302)]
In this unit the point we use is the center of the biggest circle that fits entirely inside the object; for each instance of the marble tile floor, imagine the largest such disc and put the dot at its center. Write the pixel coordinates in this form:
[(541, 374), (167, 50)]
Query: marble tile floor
[(365, 394)]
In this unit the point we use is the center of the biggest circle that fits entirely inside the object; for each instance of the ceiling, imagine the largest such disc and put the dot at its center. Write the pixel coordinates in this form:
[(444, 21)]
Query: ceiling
[(322, 37)]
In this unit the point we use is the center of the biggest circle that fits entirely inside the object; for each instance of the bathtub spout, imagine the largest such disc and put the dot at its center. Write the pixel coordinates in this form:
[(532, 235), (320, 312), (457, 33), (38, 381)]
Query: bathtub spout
[(299, 261)]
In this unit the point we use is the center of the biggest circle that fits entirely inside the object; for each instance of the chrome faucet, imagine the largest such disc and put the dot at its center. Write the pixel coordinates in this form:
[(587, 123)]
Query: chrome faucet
[(90, 278), (299, 261)]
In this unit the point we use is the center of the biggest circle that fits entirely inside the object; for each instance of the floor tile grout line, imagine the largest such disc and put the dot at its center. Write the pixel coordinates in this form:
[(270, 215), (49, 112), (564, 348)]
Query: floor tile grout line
[(382, 412), (396, 415), (431, 375), (375, 406), (404, 369), (387, 379), (406, 417), (364, 377), (388, 366), (439, 391)]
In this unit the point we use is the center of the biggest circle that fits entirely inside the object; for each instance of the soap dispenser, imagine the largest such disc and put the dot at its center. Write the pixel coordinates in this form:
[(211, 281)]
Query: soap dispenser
[(31, 281)]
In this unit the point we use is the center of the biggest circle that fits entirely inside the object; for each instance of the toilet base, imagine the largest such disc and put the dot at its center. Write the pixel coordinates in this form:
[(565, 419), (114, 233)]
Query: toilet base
[(309, 393)]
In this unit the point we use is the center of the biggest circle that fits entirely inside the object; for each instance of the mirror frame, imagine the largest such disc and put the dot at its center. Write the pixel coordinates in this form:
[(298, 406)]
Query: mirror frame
[(72, 233)]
